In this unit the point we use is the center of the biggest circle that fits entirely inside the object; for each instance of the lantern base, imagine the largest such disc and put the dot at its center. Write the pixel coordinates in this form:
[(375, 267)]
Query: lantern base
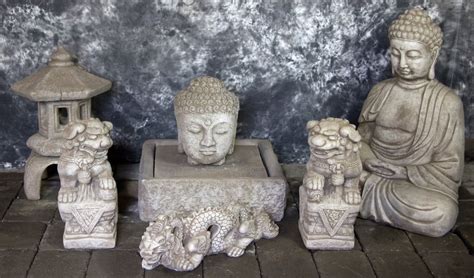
[(34, 169)]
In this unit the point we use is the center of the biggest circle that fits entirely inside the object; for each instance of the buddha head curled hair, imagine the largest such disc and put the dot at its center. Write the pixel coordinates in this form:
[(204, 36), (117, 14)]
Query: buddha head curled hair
[(206, 95), (416, 25)]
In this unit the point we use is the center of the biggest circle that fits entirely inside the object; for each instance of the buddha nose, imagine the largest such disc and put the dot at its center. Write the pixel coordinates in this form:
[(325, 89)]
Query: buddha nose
[(403, 61), (318, 141), (208, 140)]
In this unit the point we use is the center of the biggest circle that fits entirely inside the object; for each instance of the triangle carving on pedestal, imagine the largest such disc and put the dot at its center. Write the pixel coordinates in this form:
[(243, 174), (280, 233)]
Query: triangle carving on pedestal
[(87, 217), (333, 219)]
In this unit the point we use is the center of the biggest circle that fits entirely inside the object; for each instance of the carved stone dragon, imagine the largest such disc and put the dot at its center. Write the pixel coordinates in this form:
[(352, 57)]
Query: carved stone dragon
[(180, 241)]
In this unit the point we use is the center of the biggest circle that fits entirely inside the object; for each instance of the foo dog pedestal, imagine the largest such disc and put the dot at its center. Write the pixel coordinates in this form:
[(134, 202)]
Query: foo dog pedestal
[(251, 176), (329, 224), (89, 224)]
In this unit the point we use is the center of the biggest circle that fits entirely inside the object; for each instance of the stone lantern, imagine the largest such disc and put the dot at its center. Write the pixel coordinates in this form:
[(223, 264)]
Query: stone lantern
[(63, 91)]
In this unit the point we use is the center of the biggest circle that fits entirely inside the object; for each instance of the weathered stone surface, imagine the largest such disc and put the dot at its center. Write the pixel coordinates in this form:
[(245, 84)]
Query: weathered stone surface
[(87, 199), (251, 175), (29, 210), (12, 175), (60, 101), (396, 264), (286, 255), (4, 205), (129, 235), (206, 129), (59, 264), (57, 217), (53, 237), (20, 235), (466, 232), (329, 197), (382, 238), (9, 189), (167, 273), (365, 222), (413, 169), (328, 225), (180, 241), (114, 264), (448, 243), (450, 264), (343, 264), (49, 190), (15, 263), (37, 164), (162, 272), (222, 266)]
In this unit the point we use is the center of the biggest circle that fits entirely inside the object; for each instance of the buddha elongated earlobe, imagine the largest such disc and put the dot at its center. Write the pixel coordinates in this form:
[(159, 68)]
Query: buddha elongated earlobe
[(431, 74)]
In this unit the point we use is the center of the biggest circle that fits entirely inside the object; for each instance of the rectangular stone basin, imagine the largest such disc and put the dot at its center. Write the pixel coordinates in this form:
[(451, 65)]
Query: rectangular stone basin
[(251, 176)]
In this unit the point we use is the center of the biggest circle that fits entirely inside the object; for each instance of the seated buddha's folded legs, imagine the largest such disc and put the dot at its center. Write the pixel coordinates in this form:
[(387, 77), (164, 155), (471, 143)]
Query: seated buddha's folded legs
[(403, 205)]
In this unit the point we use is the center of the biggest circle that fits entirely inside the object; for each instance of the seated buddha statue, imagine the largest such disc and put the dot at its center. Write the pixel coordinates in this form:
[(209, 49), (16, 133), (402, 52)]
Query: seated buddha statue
[(412, 129), (206, 115)]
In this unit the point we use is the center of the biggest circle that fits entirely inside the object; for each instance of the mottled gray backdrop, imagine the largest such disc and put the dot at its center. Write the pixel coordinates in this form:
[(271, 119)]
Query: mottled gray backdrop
[(288, 61)]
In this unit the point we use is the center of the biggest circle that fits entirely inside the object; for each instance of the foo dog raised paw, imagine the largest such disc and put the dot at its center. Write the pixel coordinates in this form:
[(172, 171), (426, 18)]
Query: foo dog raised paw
[(180, 241), (87, 199), (329, 196)]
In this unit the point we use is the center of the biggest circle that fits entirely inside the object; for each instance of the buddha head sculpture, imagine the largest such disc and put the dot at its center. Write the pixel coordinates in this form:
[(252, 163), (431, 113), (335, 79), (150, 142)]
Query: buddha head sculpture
[(206, 114), (415, 41)]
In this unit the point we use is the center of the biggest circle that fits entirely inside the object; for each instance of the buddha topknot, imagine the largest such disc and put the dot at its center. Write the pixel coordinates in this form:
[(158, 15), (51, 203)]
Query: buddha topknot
[(206, 95), (415, 24)]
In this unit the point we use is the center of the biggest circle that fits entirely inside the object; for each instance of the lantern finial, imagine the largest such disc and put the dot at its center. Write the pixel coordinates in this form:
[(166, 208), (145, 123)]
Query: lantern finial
[(61, 58)]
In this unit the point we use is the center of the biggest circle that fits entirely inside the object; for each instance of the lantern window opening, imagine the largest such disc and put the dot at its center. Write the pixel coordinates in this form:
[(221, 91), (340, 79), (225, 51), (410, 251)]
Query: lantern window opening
[(62, 116)]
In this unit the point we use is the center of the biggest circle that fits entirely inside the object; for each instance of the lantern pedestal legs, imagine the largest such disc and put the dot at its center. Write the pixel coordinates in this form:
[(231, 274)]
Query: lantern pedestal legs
[(34, 169)]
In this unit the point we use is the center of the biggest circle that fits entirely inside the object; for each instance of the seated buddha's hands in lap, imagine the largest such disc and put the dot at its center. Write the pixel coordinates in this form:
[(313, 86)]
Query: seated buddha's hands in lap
[(385, 169)]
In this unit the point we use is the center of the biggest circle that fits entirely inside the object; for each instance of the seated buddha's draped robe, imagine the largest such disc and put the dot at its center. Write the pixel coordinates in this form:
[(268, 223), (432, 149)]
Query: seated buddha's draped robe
[(426, 202)]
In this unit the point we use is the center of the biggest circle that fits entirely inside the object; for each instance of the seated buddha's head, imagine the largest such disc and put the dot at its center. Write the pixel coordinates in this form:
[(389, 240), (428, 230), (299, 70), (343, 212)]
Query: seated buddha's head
[(206, 114), (415, 41)]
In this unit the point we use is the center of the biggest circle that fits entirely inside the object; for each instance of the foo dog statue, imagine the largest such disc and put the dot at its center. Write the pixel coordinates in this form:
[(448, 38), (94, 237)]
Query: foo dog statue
[(87, 200), (330, 196), (180, 241)]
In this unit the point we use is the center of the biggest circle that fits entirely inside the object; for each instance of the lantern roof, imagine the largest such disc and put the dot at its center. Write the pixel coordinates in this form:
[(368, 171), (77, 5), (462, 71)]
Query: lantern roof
[(61, 80)]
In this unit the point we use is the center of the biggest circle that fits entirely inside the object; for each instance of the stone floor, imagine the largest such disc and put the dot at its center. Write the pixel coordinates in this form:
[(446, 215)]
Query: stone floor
[(31, 244)]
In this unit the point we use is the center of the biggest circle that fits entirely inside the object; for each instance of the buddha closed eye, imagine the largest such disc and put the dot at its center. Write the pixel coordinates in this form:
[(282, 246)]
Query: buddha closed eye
[(222, 128), (414, 54), (195, 128)]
